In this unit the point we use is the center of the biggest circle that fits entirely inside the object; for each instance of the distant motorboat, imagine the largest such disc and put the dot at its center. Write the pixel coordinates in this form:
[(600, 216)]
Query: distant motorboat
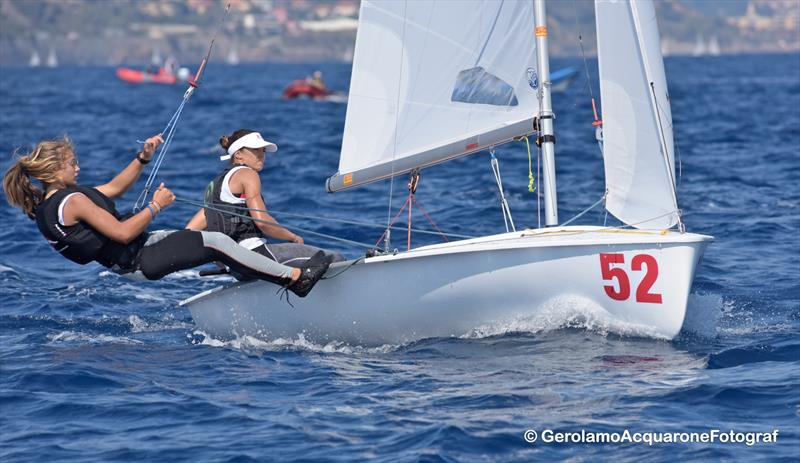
[(302, 88), (162, 76)]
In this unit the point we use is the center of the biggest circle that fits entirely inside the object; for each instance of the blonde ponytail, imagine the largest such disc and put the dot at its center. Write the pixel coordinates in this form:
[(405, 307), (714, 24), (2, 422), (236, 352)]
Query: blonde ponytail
[(43, 164)]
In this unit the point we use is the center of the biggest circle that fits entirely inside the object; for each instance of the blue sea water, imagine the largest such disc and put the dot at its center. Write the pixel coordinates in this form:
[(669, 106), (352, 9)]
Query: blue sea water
[(94, 367)]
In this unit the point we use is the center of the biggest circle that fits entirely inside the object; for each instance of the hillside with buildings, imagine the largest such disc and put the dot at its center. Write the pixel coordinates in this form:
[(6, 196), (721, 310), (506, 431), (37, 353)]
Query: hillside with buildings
[(89, 32)]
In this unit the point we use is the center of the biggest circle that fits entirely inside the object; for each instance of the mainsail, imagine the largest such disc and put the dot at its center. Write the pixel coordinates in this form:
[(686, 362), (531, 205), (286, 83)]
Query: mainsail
[(637, 120), (433, 81)]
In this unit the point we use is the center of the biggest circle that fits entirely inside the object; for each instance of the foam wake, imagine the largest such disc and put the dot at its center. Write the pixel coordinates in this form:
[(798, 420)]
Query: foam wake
[(283, 344), (565, 312), (703, 313)]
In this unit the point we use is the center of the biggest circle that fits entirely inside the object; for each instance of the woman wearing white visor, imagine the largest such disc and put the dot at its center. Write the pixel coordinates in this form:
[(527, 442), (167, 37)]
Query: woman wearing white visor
[(237, 208)]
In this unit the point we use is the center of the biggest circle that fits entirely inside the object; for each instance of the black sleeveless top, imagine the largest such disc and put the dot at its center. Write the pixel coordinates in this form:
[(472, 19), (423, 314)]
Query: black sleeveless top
[(80, 242), (231, 219)]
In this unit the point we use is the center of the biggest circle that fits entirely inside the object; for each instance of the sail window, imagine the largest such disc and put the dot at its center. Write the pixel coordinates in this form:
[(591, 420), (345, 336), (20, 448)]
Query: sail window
[(477, 86)]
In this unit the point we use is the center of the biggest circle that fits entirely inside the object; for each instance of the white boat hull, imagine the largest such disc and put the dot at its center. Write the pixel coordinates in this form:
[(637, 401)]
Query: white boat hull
[(637, 277)]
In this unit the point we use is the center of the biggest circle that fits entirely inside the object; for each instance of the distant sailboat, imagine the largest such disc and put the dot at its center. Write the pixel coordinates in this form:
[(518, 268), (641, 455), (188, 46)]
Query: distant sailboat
[(35, 61), (52, 61), (699, 47), (233, 55), (713, 46)]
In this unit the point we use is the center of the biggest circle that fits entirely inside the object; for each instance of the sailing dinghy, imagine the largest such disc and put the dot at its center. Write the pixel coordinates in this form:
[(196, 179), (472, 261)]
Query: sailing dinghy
[(433, 81)]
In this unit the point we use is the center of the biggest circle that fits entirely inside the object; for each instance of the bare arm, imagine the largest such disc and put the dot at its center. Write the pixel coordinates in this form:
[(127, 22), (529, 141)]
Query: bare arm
[(81, 208), (125, 179), (198, 222), (258, 210)]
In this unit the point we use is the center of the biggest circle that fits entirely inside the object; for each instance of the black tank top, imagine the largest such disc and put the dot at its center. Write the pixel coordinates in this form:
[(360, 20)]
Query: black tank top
[(223, 220), (80, 242)]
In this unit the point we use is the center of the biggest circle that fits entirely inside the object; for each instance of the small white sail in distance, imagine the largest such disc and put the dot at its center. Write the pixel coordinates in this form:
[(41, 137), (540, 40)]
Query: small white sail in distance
[(637, 120), (433, 81)]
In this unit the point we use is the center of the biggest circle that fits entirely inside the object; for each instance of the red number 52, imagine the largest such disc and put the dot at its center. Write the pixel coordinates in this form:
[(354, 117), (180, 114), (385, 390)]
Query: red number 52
[(610, 273)]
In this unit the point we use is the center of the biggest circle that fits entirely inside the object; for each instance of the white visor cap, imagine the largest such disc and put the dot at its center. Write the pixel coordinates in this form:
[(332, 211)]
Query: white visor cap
[(251, 140)]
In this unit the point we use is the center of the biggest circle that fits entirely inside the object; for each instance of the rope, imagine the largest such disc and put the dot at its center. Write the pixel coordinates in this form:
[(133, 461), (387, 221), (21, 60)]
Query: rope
[(365, 224), (388, 233), (159, 160), (503, 202), (538, 180), (173, 121), (321, 217), (584, 212), (270, 222), (348, 267), (427, 216), (531, 182), (624, 227), (390, 226), (311, 217)]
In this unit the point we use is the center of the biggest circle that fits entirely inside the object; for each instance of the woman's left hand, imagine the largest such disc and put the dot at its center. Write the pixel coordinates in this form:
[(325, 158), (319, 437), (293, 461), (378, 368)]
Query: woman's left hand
[(150, 146), (298, 239)]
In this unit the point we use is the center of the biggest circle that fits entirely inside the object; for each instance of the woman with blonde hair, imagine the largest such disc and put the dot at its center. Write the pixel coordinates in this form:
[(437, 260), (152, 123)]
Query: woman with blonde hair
[(83, 225)]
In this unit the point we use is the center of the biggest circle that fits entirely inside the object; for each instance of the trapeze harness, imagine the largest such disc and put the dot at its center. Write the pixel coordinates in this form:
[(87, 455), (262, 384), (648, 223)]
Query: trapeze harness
[(153, 254), (81, 243), (226, 214)]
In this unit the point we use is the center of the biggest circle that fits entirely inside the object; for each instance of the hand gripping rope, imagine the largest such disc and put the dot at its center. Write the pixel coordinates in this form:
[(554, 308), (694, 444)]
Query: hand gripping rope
[(169, 130)]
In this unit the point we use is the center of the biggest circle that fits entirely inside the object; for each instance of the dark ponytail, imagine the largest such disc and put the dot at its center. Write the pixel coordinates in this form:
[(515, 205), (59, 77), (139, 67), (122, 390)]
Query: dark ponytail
[(226, 141)]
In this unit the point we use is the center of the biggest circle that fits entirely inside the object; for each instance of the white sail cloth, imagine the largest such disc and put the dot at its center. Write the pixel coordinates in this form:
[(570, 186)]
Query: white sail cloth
[(637, 120), (435, 80)]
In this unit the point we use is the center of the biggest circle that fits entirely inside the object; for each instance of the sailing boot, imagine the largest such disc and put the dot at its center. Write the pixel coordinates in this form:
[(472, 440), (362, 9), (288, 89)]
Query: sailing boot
[(311, 272)]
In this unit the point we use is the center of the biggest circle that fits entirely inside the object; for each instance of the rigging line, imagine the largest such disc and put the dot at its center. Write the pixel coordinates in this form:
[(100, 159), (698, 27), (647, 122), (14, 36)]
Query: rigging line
[(531, 185), (622, 228), (631, 225), (387, 233), (350, 265), (538, 182), (322, 218), (290, 227), (424, 212), (634, 9), (584, 211), (583, 52), (173, 122), (366, 224), (169, 130), (503, 202), (391, 225)]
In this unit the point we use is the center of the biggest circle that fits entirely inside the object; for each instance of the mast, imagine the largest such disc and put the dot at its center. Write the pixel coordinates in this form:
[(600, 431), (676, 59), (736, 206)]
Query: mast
[(546, 137)]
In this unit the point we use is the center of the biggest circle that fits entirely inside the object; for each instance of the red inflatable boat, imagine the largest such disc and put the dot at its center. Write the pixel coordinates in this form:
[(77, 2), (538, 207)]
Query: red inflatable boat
[(300, 88), (134, 76)]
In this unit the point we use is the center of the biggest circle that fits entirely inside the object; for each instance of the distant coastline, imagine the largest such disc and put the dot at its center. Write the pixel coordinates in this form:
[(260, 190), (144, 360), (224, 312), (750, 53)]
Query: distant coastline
[(89, 33)]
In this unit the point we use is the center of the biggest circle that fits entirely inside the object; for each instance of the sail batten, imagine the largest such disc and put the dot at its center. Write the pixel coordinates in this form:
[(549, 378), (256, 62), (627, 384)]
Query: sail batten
[(637, 121), (433, 81)]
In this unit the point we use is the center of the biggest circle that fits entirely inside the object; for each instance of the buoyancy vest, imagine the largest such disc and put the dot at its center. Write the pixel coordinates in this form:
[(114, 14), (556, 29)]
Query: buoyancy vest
[(228, 216), (80, 242)]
